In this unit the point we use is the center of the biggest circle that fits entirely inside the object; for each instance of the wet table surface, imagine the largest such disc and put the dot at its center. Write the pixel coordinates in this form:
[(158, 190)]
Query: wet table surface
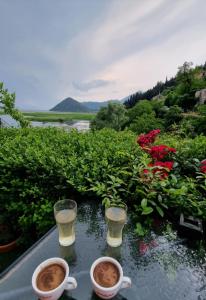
[(161, 266)]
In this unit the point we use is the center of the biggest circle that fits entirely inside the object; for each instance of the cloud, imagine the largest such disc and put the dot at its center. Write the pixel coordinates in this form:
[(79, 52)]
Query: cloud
[(133, 32), (109, 48), (93, 84)]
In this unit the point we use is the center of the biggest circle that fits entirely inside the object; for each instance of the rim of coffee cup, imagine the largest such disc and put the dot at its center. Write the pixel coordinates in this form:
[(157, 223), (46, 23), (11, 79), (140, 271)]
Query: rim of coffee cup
[(44, 264), (103, 259)]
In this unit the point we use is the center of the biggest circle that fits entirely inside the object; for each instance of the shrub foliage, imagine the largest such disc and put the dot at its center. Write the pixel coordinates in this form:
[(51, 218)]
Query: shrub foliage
[(39, 166)]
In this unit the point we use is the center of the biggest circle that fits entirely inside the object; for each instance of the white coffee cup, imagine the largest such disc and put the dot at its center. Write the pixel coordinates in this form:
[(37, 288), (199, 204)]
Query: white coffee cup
[(69, 283), (107, 293)]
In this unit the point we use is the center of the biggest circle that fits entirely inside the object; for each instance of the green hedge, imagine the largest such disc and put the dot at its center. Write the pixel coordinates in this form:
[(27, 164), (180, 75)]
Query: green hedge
[(38, 166), (189, 151), (187, 148)]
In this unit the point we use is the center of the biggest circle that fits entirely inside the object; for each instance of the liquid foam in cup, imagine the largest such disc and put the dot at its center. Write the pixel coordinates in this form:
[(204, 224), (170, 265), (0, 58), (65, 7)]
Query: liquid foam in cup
[(51, 278), (107, 277)]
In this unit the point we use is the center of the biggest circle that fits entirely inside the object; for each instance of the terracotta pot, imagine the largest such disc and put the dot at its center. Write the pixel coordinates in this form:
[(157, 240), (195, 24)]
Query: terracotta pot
[(8, 247)]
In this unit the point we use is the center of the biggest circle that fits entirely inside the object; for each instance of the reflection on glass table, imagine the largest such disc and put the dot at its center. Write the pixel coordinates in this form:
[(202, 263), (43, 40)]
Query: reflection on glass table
[(161, 268)]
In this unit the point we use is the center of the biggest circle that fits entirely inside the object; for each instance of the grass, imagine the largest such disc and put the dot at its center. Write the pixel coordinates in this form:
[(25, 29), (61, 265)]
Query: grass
[(57, 117)]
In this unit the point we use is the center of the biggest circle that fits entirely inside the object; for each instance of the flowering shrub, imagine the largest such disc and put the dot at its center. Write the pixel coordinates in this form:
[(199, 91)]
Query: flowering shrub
[(40, 165), (183, 192), (157, 153), (149, 190)]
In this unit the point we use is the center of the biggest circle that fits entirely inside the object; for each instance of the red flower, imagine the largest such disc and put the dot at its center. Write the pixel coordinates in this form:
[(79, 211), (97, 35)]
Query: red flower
[(161, 168), (144, 140), (160, 151), (145, 171), (143, 247), (166, 164), (203, 166), (203, 169)]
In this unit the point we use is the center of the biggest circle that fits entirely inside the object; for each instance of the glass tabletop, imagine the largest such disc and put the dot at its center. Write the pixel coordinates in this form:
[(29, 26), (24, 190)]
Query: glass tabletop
[(161, 266)]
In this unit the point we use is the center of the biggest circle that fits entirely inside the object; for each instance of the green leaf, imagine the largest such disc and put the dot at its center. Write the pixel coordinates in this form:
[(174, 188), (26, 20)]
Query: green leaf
[(152, 202), (147, 210), (160, 211), (159, 198), (139, 230), (144, 203), (174, 178), (140, 192)]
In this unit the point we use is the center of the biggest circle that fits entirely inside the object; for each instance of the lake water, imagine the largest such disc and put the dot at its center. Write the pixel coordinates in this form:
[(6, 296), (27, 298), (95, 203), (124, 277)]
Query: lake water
[(81, 125)]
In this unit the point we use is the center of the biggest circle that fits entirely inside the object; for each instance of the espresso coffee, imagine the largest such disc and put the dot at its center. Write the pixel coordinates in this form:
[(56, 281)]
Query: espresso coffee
[(50, 277), (106, 274)]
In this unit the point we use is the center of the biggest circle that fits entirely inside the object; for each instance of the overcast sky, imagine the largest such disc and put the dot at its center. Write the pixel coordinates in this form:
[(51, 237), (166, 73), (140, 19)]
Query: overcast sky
[(95, 49)]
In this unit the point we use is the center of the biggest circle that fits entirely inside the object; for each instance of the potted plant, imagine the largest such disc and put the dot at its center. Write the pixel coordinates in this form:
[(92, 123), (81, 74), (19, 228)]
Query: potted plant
[(9, 233)]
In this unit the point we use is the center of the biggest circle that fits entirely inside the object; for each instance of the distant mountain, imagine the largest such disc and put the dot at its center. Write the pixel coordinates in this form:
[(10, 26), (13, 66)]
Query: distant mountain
[(124, 99), (70, 105), (95, 105)]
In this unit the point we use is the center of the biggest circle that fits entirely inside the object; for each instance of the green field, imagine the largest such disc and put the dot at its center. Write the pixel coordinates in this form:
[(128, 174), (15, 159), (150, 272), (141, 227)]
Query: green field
[(57, 117)]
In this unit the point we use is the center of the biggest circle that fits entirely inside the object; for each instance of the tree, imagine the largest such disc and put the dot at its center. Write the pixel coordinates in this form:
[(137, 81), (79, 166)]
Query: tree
[(157, 106), (173, 115), (171, 98), (7, 103), (186, 86), (187, 101), (145, 123), (185, 76), (113, 116), (202, 110), (149, 94), (142, 107)]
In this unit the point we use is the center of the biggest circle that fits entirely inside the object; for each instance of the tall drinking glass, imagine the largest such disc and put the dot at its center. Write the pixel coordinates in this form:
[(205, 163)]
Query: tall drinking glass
[(116, 218), (65, 212)]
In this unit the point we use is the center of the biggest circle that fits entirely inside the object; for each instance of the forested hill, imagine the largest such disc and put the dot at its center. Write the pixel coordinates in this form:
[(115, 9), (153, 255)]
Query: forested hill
[(70, 105), (149, 94), (178, 105), (186, 82)]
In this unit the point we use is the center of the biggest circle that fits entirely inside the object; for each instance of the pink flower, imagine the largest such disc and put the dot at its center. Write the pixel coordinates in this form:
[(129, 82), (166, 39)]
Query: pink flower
[(143, 247)]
